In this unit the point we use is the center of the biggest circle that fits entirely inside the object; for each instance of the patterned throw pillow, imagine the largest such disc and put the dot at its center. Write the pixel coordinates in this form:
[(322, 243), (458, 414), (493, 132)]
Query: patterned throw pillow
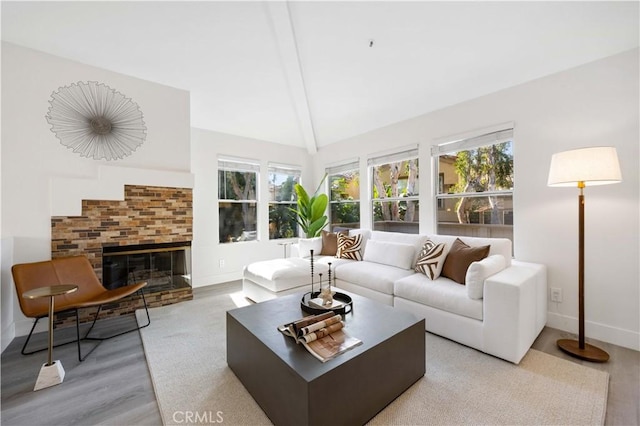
[(349, 247), (430, 259)]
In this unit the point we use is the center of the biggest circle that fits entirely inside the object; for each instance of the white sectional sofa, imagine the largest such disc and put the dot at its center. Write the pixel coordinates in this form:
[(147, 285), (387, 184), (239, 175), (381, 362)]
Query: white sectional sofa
[(500, 310)]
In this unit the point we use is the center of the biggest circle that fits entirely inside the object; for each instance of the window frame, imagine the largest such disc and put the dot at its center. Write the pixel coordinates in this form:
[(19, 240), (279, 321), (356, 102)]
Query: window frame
[(400, 155), (289, 170), (489, 137), (351, 166), (239, 165)]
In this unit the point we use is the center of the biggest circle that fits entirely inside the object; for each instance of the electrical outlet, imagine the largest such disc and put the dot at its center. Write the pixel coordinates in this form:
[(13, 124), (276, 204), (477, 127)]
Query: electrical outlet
[(221, 263), (556, 294)]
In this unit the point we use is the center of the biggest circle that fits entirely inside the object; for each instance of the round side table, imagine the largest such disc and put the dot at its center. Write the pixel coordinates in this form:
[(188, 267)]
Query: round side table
[(52, 372), (284, 245)]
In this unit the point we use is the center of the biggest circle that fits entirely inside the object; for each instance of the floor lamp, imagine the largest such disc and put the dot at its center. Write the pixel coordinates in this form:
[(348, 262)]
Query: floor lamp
[(583, 167)]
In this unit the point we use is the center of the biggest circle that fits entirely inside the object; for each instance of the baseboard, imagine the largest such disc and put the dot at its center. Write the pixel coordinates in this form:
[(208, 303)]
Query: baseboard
[(8, 334), (593, 330)]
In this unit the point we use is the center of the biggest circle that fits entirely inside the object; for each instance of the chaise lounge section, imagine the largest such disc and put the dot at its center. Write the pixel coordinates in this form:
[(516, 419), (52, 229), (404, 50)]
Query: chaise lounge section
[(269, 279)]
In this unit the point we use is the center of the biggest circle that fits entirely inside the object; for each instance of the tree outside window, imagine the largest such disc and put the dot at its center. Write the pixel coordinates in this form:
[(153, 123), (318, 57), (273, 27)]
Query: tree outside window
[(475, 196), (282, 198), (344, 199), (396, 194), (237, 202)]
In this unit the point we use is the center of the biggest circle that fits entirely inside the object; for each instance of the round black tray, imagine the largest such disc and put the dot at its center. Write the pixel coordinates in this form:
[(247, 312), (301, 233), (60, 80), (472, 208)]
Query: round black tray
[(342, 310)]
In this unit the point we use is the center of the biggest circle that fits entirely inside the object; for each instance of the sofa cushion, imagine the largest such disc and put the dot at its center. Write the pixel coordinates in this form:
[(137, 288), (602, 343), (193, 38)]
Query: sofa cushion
[(416, 240), (374, 276), (387, 253), (459, 258), (399, 237), (305, 245), (431, 259), (441, 293), (480, 271), (349, 247), (366, 235), (334, 261)]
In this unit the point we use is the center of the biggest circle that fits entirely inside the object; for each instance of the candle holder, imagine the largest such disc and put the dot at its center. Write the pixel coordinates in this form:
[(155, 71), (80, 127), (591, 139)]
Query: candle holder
[(311, 252)]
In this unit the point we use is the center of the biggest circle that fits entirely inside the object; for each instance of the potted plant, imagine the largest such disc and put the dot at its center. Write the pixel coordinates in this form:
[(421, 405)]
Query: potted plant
[(311, 210)]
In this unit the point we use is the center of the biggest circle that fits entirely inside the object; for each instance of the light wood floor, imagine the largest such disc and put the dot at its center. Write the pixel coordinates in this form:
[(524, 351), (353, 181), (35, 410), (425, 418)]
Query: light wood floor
[(113, 386)]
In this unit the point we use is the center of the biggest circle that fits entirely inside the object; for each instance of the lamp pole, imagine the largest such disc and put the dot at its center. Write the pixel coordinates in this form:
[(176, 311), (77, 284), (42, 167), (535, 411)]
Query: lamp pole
[(581, 349), (581, 266)]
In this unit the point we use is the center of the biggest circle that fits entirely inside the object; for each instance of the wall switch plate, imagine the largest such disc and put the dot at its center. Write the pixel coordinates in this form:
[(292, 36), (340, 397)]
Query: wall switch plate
[(221, 263), (556, 294)]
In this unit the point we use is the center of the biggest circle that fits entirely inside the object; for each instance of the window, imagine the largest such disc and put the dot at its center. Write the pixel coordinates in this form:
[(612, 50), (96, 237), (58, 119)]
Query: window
[(237, 202), (344, 195), (282, 198), (475, 186), (395, 192)]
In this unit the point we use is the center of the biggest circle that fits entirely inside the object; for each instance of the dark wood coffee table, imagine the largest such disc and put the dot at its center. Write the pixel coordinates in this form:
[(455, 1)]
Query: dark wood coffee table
[(294, 388)]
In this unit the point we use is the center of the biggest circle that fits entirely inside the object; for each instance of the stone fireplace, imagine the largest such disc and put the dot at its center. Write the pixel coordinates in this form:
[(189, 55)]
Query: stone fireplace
[(146, 237)]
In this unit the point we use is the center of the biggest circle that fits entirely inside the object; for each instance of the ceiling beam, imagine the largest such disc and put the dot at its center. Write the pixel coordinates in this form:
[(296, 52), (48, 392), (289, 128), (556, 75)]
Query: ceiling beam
[(290, 59)]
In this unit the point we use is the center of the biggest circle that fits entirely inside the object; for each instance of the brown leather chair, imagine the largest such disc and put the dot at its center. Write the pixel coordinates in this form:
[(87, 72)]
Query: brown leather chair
[(68, 270)]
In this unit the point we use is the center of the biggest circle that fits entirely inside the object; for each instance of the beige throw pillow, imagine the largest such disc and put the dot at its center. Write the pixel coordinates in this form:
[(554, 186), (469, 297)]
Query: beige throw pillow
[(330, 243)]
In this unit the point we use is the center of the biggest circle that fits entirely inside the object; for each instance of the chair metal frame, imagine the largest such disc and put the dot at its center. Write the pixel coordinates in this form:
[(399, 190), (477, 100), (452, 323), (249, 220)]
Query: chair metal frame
[(86, 336)]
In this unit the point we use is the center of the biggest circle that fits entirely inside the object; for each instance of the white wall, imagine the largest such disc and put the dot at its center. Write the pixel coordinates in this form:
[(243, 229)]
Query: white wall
[(595, 104), (207, 252), (592, 105), (32, 157)]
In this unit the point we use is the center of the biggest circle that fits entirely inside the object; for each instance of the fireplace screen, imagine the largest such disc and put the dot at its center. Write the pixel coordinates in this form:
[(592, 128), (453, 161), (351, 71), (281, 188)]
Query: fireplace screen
[(163, 266)]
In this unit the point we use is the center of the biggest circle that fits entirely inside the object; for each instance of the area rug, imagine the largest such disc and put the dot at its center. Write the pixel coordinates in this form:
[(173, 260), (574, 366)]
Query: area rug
[(185, 347)]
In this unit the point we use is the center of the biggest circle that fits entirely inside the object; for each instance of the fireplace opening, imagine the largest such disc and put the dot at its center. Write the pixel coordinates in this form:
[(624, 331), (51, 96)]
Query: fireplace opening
[(164, 266)]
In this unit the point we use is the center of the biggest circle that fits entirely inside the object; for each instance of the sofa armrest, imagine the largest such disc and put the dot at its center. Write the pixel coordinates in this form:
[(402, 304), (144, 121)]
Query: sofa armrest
[(515, 309)]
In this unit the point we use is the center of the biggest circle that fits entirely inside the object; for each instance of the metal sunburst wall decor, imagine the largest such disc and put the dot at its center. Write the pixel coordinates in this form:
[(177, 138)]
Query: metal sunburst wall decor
[(96, 121)]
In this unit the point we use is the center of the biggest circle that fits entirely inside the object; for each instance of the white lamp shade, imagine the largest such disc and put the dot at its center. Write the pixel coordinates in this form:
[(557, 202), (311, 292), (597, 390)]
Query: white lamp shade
[(593, 166)]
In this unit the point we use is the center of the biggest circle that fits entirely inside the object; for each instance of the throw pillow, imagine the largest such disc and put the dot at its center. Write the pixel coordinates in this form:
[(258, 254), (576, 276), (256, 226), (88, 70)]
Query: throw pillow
[(305, 245), (431, 259), (349, 247), (480, 271), (459, 258), (330, 243), (388, 253)]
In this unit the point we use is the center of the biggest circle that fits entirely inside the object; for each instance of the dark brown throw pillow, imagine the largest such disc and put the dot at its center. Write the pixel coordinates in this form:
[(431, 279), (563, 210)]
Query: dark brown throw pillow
[(330, 243), (459, 258)]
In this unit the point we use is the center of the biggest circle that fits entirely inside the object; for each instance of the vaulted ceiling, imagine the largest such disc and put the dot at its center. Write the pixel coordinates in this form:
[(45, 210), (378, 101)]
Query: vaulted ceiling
[(309, 74)]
